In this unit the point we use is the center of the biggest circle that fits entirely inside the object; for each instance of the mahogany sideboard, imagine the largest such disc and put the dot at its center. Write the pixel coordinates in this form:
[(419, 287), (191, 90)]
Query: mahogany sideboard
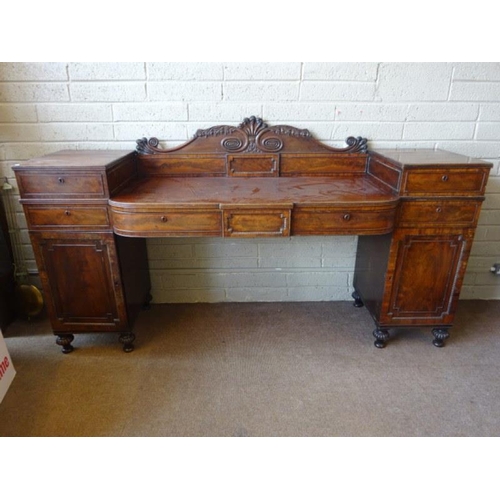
[(89, 213)]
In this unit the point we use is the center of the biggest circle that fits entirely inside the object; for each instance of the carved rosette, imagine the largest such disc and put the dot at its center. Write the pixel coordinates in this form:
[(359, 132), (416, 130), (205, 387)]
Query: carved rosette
[(253, 135)]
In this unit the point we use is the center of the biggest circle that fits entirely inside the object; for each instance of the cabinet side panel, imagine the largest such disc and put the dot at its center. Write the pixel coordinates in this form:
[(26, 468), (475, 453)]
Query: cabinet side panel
[(133, 258), (370, 272)]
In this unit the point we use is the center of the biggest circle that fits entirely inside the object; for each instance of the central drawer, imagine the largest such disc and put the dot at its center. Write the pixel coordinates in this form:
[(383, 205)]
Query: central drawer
[(254, 222), (168, 223)]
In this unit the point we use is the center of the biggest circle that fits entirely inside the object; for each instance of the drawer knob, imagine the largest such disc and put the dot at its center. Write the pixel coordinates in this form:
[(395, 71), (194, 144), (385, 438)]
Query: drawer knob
[(439, 210), (67, 212), (444, 178), (347, 217), (163, 218), (61, 180)]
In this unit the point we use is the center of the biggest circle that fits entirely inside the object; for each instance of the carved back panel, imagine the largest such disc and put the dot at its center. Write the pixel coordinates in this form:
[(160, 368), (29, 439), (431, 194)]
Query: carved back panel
[(252, 149)]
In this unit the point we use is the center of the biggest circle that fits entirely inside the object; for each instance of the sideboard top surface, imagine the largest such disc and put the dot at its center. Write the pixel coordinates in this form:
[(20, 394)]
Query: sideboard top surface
[(428, 158), (78, 159), (210, 192)]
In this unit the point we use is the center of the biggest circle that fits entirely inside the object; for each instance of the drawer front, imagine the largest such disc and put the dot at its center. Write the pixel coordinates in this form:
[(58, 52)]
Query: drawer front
[(63, 184), (445, 181), (343, 221), (178, 223), (67, 217), (253, 223), (439, 213)]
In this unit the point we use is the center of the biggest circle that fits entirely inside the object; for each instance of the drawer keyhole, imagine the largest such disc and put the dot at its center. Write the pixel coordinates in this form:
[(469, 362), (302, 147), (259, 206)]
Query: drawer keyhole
[(163, 218), (444, 178), (61, 180), (347, 217)]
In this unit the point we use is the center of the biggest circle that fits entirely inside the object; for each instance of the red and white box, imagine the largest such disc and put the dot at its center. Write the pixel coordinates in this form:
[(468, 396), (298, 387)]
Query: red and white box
[(7, 371)]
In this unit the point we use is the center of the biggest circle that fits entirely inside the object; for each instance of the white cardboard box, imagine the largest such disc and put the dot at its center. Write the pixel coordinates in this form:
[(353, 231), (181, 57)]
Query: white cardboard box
[(7, 371)]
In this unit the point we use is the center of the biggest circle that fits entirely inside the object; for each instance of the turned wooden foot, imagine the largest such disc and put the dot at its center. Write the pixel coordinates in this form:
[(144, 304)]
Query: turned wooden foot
[(357, 299), (440, 335), (64, 340), (147, 303), (382, 337), (127, 340)]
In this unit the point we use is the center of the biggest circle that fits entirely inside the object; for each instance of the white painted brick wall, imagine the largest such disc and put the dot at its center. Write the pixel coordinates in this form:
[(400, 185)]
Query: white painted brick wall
[(45, 107)]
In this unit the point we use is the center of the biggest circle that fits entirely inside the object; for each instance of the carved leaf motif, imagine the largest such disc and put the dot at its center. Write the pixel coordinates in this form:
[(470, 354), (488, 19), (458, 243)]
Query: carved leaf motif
[(215, 131), (252, 126)]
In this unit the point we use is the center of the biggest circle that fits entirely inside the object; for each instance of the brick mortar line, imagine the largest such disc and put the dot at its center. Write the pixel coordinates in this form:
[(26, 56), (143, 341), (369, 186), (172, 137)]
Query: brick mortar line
[(368, 102)]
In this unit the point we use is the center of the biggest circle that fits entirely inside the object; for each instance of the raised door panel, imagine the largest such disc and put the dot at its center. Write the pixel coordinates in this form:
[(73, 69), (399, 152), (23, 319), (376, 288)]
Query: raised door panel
[(424, 277), (83, 282)]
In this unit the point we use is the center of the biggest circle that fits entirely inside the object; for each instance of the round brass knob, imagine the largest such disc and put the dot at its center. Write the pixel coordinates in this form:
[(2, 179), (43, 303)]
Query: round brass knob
[(444, 178), (347, 216), (439, 210), (163, 218), (61, 180), (67, 212)]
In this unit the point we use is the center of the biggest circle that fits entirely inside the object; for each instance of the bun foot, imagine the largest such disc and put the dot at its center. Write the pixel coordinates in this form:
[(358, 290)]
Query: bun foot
[(65, 342), (127, 340), (147, 303), (382, 337), (440, 335), (357, 299)]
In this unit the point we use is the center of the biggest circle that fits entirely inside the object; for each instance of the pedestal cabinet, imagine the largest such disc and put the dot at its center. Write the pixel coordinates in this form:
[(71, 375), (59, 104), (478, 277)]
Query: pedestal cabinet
[(93, 280), (414, 277)]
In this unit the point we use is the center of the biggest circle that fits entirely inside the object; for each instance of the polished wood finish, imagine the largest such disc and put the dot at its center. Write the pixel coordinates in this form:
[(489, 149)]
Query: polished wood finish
[(414, 277), (90, 281), (414, 211)]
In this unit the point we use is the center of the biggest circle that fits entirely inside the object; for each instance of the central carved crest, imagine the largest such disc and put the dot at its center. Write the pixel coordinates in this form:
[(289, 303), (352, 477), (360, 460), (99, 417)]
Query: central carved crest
[(253, 135)]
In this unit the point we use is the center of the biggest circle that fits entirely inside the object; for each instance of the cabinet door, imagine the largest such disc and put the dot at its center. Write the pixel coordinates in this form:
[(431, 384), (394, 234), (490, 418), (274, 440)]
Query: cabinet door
[(424, 277), (81, 278)]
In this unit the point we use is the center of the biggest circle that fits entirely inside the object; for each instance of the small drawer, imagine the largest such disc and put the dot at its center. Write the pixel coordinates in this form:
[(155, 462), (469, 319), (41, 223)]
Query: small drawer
[(445, 181), (62, 217), (343, 221), (439, 213), (178, 223), (250, 223), (60, 184)]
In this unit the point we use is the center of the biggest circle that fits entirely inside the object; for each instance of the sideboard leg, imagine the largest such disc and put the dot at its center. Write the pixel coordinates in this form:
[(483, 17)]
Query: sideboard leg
[(440, 335), (382, 337), (127, 340), (64, 340), (147, 303), (357, 299)]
